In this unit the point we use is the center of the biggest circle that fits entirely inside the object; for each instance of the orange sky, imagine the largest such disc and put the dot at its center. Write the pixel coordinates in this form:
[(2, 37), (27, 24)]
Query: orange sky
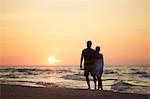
[(33, 30)]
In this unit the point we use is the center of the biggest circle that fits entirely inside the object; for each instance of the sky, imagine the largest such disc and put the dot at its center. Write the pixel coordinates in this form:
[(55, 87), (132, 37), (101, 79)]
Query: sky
[(33, 30)]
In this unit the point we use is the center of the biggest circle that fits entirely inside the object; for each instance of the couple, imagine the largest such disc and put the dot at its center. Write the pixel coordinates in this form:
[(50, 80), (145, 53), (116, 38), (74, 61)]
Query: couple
[(93, 63)]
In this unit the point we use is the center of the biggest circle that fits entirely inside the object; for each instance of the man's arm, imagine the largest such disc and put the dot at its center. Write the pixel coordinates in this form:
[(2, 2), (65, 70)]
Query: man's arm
[(81, 60)]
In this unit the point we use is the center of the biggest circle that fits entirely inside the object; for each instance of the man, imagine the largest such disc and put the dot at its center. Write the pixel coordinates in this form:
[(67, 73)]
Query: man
[(89, 56)]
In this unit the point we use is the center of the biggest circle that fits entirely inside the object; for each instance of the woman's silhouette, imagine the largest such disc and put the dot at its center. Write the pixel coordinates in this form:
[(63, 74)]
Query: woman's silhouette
[(98, 71)]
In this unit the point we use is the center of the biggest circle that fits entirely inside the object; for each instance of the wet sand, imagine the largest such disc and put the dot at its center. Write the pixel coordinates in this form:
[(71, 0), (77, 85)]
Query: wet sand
[(23, 92)]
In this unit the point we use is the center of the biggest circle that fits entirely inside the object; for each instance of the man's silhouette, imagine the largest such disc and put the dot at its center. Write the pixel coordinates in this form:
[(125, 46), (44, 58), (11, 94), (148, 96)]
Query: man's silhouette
[(89, 56)]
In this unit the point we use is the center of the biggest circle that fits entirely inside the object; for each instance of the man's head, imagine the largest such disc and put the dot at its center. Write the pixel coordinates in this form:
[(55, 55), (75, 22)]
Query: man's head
[(89, 44)]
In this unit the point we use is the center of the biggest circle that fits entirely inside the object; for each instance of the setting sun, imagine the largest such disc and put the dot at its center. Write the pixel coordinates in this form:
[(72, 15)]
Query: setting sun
[(52, 59)]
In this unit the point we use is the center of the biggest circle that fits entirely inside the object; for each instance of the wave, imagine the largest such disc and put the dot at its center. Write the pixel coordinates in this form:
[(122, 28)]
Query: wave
[(141, 74), (110, 72), (23, 72), (78, 77), (121, 85), (8, 76), (60, 71), (35, 70), (124, 85), (28, 83), (146, 75), (8, 70)]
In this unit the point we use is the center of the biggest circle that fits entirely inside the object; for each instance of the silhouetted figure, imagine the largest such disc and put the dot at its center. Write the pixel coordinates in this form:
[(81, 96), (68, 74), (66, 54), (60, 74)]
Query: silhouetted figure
[(89, 56), (99, 64)]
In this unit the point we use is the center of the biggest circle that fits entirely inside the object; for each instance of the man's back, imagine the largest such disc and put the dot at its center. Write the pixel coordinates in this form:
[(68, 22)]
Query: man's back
[(89, 56)]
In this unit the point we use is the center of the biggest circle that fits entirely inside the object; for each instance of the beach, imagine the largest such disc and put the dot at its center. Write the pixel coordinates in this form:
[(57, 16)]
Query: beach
[(26, 92)]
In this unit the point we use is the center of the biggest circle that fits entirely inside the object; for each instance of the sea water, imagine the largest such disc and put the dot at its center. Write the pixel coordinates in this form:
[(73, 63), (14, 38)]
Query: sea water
[(127, 79)]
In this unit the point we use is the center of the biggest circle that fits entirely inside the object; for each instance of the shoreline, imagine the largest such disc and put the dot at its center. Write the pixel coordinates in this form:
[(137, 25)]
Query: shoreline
[(17, 91)]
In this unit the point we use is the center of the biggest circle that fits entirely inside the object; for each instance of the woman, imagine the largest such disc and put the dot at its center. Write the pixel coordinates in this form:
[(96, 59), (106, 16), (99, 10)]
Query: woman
[(98, 71)]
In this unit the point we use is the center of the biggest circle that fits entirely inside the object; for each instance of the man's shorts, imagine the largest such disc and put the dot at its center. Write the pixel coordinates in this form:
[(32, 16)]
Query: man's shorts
[(89, 69)]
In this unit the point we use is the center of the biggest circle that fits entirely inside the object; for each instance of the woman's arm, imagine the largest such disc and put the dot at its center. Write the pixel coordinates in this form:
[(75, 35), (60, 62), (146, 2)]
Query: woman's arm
[(102, 60)]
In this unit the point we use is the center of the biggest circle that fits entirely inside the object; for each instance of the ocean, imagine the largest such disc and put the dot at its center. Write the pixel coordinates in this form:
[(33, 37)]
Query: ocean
[(126, 79)]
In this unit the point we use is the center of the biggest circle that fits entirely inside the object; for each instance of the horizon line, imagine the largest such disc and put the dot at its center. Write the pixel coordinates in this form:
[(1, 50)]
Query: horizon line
[(78, 65)]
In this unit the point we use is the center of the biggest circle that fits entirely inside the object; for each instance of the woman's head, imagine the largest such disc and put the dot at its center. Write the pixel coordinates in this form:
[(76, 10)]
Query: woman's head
[(97, 48)]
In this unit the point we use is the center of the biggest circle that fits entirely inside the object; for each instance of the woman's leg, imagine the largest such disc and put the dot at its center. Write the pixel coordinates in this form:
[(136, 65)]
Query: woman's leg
[(94, 79), (100, 83)]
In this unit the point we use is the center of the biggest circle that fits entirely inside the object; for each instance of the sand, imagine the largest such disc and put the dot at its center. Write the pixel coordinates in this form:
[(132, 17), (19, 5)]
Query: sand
[(23, 92)]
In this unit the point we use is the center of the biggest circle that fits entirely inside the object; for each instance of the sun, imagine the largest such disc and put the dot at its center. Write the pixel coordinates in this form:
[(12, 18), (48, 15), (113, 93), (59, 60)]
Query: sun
[(52, 59)]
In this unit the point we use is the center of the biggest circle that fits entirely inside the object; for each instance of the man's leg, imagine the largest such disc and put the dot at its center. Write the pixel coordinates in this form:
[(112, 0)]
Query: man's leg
[(88, 81), (86, 74), (94, 77)]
